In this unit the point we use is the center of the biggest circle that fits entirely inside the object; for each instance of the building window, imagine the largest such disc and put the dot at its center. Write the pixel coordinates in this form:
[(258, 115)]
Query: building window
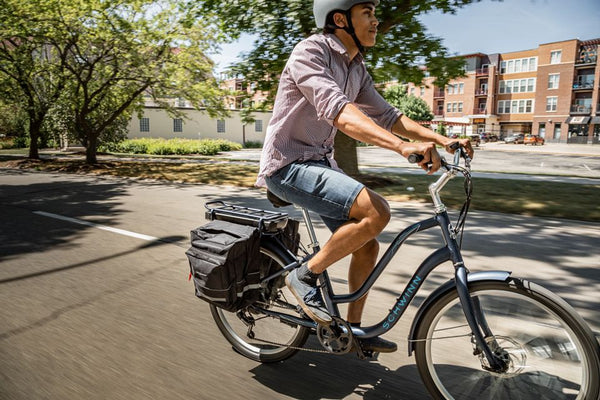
[(461, 88), (511, 66), (515, 107), (144, 124), (542, 129), (453, 107), (460, 106), (557, 131), (177, 125), (555, 56), (449, 107), (422, 91), (503, 67), (258, 125), (220, 126), (532, 64), (181, 102), (553, 80), (528, 106), (551, 103), (531, 85), (523, 85)]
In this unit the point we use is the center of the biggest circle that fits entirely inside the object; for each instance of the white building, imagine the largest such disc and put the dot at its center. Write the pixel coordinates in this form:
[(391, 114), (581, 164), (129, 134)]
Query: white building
[(156, 123)]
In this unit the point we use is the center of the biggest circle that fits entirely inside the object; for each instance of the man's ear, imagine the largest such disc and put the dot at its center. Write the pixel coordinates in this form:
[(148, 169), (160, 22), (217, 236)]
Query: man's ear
[(339, 20)]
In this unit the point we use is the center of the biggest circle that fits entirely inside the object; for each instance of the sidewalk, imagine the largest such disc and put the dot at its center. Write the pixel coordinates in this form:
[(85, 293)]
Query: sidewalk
[(592, 150)]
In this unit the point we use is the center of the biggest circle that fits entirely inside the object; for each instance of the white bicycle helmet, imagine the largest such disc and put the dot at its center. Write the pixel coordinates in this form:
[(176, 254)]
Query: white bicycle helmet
[(322, 8)]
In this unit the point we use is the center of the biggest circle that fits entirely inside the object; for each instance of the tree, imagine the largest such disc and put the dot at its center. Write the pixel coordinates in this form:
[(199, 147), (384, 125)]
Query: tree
[(402, 47), (111, 53), (31, 68), (414, 107)]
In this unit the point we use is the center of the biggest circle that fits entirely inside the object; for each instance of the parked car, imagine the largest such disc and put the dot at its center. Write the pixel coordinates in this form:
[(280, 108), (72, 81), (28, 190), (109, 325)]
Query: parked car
[(533, 140), (489, 137), (475, 139), (517, 138)]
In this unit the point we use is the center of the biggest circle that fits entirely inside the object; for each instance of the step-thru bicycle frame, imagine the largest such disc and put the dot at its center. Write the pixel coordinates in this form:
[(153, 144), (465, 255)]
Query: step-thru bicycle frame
[(450, 252)]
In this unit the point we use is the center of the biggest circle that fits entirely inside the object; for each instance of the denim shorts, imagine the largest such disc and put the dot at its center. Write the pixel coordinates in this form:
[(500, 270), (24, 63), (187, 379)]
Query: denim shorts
[(317, 187)]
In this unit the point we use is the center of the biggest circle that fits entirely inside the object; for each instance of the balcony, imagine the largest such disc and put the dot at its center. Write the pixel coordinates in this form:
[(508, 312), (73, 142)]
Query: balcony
[(438, 113), (581, 109), (482, 72), (481, 92), (480, 110), (584, 82), (438, 93), (587, 57)]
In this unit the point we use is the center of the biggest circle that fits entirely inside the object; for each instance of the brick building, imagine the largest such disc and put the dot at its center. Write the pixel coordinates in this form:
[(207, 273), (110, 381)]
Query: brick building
[(551, 91)]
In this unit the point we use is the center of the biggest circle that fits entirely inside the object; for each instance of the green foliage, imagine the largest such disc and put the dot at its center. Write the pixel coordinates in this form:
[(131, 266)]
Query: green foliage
[(441, 129), (99, 57), (402, 46), (414, 107), (13, 119), (253, 144), (206, 147)]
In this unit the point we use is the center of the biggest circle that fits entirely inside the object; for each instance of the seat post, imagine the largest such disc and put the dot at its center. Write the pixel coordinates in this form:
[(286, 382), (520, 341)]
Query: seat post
[(314, 243)]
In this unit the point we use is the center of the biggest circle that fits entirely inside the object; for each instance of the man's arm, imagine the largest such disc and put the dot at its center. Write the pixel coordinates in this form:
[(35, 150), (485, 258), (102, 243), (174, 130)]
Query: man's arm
[(357, 125)]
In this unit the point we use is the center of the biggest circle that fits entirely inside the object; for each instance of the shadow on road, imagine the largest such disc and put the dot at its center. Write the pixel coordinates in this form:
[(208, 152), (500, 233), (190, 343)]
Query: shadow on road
[(90, 200), (312, 376)]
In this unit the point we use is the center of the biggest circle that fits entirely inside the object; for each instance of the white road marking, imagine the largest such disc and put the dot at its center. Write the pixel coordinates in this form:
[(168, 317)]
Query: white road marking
[(98, 226), (588, 168)]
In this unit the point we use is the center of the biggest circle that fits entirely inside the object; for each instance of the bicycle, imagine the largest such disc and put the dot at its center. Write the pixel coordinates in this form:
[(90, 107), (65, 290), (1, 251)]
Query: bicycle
[(508, 337)]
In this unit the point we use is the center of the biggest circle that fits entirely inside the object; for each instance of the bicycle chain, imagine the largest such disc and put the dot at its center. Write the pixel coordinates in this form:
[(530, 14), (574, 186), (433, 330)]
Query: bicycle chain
[(288, 345)]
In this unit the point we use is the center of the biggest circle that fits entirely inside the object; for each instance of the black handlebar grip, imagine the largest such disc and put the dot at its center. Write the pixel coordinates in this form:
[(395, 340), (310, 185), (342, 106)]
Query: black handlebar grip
[(415, 158), (455, 146)]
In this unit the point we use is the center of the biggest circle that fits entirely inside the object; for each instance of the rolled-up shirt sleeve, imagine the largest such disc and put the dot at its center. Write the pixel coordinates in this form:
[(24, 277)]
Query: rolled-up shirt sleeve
[(375, 106), (314, 78)]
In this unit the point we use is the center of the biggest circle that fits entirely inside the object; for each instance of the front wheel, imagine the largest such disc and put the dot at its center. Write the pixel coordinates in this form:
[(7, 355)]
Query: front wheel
[(258, 336), (549, 350)]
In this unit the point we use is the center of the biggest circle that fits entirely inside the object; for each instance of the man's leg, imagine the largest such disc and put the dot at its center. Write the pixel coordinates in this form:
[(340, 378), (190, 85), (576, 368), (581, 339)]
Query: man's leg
[(362, 263), (369, 215)]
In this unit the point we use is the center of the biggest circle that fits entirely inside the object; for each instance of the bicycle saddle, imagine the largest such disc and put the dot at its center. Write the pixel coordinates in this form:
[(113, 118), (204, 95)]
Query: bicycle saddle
[(276, 201)]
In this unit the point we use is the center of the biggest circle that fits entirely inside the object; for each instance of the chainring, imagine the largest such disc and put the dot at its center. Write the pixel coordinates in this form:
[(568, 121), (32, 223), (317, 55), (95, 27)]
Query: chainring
[(336, 337)]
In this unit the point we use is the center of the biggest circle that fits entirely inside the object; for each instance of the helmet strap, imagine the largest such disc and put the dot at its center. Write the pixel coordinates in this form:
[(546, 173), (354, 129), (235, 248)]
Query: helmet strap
[(350, 30)]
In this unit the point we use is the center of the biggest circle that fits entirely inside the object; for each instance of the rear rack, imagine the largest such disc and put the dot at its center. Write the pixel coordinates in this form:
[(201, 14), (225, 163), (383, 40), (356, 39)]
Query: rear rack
[(266, 221)]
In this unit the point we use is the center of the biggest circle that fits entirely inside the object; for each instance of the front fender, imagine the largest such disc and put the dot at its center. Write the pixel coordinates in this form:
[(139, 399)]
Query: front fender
[(501, 276)]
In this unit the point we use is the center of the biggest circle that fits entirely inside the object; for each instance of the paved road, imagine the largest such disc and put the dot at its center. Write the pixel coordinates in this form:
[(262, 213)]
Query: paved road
[(99, 306), (552, 162)]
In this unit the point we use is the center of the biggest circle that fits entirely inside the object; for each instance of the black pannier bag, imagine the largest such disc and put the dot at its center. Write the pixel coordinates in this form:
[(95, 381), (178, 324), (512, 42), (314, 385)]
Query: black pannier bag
[(225, 264)]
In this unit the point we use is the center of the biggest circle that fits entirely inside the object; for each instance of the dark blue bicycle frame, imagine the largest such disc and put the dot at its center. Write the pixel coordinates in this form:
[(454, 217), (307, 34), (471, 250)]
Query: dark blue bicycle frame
[(451, 252)]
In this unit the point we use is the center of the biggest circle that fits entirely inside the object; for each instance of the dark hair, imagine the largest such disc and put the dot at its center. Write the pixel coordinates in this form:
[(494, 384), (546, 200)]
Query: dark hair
[(330, 25)]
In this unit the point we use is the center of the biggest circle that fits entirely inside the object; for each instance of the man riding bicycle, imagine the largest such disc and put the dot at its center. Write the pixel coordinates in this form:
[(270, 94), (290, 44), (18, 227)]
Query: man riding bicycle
[(323, 88)]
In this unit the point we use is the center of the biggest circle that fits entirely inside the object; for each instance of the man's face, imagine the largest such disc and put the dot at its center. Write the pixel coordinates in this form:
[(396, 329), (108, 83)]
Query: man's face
[(365, 23)]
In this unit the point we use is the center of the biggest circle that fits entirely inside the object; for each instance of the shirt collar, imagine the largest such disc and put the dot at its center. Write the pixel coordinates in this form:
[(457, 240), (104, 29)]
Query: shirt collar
[(336, 44)]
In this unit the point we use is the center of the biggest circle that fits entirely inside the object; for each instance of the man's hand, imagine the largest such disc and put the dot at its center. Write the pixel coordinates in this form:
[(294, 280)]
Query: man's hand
[(464, 143), (431, 158)]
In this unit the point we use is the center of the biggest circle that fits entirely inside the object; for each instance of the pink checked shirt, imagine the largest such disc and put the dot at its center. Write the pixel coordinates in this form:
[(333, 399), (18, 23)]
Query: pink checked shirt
[(318, 80)]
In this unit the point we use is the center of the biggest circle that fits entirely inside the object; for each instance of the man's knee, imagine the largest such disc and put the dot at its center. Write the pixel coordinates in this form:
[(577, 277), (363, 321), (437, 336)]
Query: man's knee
[(372, 207)]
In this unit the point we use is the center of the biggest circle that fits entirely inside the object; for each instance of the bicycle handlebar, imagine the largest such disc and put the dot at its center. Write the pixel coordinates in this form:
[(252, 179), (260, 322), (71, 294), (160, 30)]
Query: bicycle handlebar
[(458, 153)]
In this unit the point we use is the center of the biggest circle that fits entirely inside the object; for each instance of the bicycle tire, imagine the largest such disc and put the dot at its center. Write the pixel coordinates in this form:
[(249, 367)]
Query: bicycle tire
[(269, 328), (552, 351)]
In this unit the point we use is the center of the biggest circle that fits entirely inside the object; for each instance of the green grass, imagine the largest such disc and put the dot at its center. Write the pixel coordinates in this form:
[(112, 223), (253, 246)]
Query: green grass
[(158, 146), (542, 199)]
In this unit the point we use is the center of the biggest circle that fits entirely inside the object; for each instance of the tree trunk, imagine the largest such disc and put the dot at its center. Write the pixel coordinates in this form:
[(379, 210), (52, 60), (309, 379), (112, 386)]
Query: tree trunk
[(345, 154), (34, 135), (90, 149)]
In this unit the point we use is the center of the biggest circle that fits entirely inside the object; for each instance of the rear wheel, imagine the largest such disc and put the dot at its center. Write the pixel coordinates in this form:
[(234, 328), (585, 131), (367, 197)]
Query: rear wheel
[(258, 336), (549, 350)]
